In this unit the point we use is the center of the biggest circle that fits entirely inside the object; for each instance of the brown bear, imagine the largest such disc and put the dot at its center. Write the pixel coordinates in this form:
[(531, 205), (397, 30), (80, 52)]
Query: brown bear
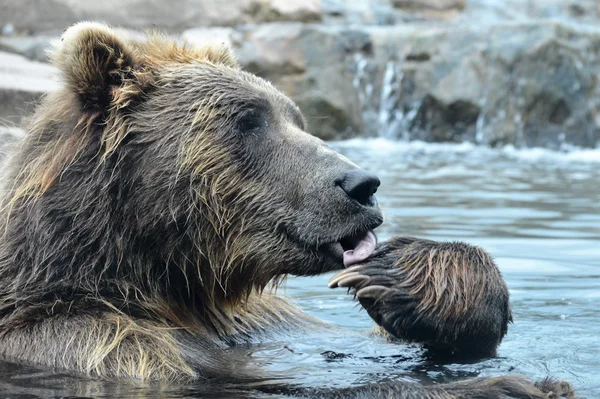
[(159, 195)]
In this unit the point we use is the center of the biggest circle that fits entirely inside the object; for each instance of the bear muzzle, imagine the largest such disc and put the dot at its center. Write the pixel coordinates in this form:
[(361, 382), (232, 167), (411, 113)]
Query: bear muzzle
[(355, 248)]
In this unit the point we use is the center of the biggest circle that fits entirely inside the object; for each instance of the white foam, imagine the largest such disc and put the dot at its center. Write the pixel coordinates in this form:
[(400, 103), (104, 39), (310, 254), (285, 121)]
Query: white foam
[(543, 154), (569, 154)]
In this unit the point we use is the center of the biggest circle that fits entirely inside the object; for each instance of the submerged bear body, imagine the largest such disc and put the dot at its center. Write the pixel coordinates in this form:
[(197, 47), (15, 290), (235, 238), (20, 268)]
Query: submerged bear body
[(160, 194)]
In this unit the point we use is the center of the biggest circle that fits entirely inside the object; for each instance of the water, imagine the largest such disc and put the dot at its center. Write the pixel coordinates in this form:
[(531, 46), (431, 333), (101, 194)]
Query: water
[(383, 116), (536, 211)]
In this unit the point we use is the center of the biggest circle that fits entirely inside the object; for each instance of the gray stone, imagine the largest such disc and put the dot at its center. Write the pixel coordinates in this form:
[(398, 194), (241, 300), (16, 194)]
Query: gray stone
[(35, 16), (204, 36), (530, 84), (487, 11), (22, 83), (490, 71), (285, 10), (313, 65), (437, 8), (32, 47), (439, 5), (9, 136)]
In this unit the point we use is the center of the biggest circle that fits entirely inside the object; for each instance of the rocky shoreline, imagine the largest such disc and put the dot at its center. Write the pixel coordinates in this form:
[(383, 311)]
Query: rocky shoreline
[(514, 72)]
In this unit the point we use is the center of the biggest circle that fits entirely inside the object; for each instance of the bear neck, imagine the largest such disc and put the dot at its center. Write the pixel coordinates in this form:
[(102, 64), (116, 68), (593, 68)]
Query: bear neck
[(82, 245), (160, 275)]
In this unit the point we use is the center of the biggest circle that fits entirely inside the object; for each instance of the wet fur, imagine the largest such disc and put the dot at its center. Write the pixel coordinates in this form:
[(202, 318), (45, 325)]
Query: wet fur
[(132, 210), (127, 216), (449, 296), (477, 388)]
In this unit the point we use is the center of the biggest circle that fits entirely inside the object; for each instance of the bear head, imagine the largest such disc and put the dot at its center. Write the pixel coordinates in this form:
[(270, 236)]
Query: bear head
[(167, 168)]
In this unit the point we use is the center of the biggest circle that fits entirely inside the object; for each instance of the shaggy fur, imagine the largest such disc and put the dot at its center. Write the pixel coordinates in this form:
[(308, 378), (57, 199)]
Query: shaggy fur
[(152, 205), (476, 388), (448, 296)]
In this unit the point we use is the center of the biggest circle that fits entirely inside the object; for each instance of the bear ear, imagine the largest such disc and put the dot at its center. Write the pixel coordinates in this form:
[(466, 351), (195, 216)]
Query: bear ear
[(95, 63)]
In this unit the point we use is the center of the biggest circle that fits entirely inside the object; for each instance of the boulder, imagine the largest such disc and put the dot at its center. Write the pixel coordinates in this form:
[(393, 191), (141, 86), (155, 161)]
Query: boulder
[(53, 16), (491, 72), (425, 5), (528, 84), (32, 47), (285, 10), (22, 83), (201, 36), (9, 136), (313, 65), (487, 11)]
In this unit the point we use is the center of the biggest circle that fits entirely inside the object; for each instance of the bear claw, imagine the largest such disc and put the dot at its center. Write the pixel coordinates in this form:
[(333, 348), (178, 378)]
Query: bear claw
[(375, 292)]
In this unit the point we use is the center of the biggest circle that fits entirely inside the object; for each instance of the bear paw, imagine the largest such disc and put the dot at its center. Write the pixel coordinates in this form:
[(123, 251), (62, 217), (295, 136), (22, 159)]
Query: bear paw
[(448, 296), (556, 389)]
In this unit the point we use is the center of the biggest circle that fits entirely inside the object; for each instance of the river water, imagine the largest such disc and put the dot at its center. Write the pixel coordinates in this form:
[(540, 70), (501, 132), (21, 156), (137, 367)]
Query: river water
[(536, 211)]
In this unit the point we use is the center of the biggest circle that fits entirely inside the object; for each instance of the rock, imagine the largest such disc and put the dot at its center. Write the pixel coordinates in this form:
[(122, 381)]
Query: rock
[(439, 9), (8, 30), (286, 10), (488, 71), (9, 136), (436, 5), (53, 16), (274, 50), (203, 36), (22, 83), (313, 65), (486, 11), (34, 16), (33, 47), (360, 12), (527, 84)]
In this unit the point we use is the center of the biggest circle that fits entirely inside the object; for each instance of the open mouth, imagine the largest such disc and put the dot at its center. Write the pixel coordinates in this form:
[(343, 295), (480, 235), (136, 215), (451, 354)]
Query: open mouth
[(355, 248)]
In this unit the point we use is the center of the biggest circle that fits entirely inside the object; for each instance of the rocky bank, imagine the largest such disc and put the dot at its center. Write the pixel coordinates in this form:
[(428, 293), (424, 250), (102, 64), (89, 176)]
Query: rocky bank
[(487, 71)]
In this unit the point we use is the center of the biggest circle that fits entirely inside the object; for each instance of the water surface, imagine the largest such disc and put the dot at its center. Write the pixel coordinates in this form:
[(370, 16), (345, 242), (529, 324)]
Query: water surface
[(537, 212)]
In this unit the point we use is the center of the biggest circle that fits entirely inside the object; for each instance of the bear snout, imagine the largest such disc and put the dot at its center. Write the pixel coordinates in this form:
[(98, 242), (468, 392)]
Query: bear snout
[(360, 186)]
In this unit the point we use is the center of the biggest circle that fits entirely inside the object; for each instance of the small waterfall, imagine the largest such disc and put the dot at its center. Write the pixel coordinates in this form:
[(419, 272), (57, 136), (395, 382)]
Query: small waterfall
[(384, 115), (390, 115), (480, 133), (479, 125), (362, 82)]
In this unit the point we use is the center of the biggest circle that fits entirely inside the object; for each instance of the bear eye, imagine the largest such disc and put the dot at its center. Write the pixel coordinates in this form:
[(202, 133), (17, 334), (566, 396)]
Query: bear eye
[(251, 121)]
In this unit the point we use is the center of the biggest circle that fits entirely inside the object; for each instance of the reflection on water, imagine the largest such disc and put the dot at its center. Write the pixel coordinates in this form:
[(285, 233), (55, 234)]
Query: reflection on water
[(537, 212)]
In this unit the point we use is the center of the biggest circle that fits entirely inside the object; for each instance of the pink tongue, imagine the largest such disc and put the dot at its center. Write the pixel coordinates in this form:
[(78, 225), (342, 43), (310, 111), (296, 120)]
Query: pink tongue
[(363, 249)]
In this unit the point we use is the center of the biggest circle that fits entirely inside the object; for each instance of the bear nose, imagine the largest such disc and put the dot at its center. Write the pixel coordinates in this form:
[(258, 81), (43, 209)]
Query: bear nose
[(360, 185)]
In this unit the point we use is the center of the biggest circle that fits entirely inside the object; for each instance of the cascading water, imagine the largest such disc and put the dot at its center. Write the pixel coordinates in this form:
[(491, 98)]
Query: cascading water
[(390, 115), (362, 82), (384, 115)]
